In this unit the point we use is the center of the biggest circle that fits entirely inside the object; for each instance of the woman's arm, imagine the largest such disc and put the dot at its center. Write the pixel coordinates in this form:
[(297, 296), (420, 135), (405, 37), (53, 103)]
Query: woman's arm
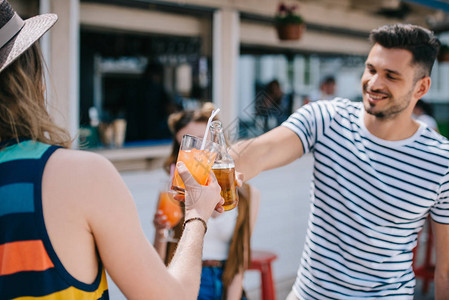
[(130, 259), (160, 242), (235, 288)]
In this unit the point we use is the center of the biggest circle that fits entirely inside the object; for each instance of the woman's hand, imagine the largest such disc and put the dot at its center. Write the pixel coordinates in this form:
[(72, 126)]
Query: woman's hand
[(200, 200), (160, 221)]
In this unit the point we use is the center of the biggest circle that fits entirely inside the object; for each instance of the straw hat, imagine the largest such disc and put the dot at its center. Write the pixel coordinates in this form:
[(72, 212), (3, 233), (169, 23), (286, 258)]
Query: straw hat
[(17, 35)]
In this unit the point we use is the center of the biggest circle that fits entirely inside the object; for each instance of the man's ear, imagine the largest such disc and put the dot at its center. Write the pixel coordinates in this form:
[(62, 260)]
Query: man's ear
[(422, 87)]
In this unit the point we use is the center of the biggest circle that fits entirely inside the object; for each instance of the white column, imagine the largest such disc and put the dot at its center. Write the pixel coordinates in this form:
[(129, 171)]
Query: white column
[(44, 8), (45, 40), (225, 58), (64, 65)]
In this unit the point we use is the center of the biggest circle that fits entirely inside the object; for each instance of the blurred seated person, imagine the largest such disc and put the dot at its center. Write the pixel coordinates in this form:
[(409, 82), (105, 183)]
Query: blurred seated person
[(273, 103), (226, 252), (326, 91), (149, 106), (423, 112)]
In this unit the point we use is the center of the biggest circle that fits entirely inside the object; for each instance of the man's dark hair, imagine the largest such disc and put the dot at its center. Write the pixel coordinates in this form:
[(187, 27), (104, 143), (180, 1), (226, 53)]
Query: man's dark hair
[(419, 41)]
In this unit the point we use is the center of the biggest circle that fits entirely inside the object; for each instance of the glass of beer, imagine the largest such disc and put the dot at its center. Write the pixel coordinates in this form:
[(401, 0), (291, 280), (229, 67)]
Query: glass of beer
[(224, 168), (225, 174), (198, 160)]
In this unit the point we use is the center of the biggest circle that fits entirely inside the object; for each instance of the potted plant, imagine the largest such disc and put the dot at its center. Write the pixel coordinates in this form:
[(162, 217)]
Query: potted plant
[(289, 24), (443, 54)]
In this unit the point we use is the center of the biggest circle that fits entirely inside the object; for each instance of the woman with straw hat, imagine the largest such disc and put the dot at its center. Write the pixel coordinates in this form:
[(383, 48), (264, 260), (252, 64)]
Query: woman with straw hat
[(66, 215)]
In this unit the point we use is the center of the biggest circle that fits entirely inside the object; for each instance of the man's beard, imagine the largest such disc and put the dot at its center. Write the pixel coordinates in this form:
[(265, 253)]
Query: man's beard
[(390, 112)]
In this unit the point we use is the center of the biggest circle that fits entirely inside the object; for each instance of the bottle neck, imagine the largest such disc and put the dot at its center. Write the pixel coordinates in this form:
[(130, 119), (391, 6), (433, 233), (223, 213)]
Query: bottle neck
[(216, 133), (217, 136)]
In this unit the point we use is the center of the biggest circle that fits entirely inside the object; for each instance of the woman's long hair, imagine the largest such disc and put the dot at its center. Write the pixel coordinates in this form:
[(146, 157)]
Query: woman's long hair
[(23, 112)]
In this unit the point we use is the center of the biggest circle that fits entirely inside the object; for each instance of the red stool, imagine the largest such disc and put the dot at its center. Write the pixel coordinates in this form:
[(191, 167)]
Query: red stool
[(261, 261), (426, 270)]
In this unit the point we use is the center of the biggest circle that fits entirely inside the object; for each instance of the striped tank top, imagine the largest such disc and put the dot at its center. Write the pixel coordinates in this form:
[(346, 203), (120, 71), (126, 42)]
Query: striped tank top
[(29, 266), (370, 197)]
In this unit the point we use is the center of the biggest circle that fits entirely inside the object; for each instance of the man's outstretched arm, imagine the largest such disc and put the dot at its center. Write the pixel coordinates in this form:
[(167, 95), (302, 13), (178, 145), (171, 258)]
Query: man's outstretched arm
[(276, 148)]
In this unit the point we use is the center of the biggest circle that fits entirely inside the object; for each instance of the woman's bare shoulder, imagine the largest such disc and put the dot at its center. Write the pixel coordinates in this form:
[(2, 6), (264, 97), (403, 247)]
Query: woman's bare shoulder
[(249, 192), (79, 157), (80, 162), (254, 206), (255, 194), (68, 170)]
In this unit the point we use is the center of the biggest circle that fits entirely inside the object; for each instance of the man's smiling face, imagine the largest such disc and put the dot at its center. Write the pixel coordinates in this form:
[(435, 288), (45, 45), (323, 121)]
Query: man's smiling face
[(388, 82)]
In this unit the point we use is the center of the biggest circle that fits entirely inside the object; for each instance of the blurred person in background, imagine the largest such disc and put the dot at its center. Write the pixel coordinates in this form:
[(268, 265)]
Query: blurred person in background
[(423, 112), (66, 216), (326, 90), (378, 174), (227, 244), (272, 104), (148, 105)]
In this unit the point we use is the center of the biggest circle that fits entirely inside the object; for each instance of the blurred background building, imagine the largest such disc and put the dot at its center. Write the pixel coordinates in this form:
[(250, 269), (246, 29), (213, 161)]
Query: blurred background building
[(136, 61)]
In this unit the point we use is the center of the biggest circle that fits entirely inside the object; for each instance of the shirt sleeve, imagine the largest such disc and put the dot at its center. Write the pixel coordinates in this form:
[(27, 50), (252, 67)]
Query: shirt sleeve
[(310, 121), (440, 211)]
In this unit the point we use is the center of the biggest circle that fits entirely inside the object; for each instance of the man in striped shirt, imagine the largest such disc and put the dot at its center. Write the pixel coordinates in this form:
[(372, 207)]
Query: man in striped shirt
[(377, 175)]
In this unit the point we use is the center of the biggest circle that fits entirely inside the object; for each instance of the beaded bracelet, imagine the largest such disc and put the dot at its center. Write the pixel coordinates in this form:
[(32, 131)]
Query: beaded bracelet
[(195, 219)]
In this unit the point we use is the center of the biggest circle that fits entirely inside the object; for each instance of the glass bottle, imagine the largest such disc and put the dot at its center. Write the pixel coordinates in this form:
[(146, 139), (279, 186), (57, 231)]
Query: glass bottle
[(224, 167)]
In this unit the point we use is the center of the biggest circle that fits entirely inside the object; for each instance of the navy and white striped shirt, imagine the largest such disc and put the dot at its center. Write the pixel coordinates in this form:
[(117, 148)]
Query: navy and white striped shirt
[(370, 197)]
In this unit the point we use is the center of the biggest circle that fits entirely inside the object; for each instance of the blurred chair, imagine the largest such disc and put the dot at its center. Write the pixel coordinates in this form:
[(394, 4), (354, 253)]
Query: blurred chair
[(426, 269), (261, 261)]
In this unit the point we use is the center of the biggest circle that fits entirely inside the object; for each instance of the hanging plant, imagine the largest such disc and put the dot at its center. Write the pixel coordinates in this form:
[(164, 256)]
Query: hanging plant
[(289, 23)]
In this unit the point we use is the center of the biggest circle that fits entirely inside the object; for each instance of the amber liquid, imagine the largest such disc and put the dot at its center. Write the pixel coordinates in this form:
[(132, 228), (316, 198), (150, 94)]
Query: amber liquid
[(226, 180)]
